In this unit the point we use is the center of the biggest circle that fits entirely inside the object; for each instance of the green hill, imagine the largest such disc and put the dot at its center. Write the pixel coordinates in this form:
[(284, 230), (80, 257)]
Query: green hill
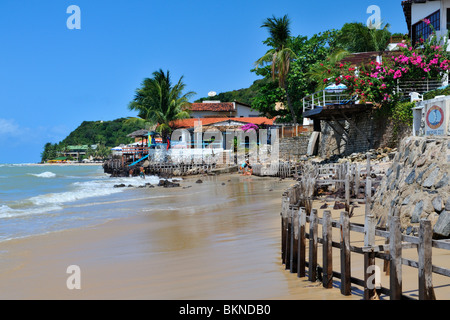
[(243, 95), (108, 133), (105, 134)]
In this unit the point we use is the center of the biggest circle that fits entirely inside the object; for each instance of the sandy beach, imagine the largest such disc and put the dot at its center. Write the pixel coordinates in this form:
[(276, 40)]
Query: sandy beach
[(218, 240)]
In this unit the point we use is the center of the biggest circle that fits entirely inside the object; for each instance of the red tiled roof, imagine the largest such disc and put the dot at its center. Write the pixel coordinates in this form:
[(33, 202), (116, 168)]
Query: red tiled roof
[(218, 107), (190, 123)]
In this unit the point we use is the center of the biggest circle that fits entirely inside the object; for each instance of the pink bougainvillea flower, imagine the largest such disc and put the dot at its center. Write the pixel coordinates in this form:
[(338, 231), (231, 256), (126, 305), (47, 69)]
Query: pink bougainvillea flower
[(397, 74), (427, 22)]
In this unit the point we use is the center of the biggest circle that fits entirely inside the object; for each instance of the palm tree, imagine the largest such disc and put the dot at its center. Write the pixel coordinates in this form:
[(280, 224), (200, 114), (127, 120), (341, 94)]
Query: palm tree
[(160, 102), (280, 56)]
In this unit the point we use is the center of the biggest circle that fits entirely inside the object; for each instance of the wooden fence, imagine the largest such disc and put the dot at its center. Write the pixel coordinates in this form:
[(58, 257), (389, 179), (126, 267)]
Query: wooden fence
[(281, 169), (296, 213)]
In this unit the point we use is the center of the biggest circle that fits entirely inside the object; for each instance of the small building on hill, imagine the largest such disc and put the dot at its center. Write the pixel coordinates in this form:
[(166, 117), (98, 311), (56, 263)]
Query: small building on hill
[(218, 109)]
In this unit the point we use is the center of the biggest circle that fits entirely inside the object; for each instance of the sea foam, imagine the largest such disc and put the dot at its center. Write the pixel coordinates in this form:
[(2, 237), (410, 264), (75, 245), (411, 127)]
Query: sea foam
[(44, 174)]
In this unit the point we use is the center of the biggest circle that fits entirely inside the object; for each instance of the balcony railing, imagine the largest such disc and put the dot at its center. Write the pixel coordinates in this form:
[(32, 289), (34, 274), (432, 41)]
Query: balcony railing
[(325, 98)]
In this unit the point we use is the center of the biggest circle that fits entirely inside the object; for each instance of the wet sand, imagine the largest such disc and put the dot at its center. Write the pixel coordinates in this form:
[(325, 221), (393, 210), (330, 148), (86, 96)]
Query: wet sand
[(208, 241)]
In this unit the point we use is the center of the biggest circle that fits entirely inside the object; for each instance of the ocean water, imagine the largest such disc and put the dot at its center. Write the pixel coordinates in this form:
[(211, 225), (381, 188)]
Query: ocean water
[(41, 199)]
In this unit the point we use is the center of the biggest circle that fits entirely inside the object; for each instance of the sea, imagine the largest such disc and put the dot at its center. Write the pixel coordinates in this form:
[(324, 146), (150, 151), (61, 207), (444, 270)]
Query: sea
[(38, 199)]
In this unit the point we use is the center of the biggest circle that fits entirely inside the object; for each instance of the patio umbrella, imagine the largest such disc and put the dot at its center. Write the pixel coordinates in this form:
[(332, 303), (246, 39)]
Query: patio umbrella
[(336, 88)]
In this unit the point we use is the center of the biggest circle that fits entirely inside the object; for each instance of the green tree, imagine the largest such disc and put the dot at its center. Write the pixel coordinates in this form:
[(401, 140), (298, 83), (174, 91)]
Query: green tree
[(280, 55), (158, 101), (358, 37), (308, 51)]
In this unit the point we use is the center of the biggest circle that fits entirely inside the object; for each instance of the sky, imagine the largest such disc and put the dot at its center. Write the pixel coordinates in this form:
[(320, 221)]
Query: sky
[(52, 77)]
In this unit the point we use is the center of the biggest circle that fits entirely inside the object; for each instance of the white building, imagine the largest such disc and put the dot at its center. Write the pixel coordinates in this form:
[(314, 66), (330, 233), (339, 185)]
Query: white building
[(437, 12), (217, 109)]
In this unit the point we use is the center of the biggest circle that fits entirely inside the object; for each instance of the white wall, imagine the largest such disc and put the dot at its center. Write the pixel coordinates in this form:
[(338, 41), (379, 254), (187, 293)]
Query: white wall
[(244, 111), (422, 10), (209, 114)]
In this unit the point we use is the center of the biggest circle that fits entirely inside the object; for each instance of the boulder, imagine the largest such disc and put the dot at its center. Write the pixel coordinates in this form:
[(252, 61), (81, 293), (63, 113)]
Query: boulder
[(442, 227), (167, 184), (437, 204)]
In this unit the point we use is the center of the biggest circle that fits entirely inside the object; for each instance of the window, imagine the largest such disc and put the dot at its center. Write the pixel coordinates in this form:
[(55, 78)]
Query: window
[(448, 18), (422, 30)]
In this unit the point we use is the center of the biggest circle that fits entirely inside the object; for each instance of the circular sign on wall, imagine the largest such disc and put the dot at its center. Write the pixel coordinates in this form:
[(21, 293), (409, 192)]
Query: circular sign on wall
[(435, 117)]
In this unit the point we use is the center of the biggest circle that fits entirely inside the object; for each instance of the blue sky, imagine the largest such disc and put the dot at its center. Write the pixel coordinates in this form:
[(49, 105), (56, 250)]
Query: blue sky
[(53, 78)]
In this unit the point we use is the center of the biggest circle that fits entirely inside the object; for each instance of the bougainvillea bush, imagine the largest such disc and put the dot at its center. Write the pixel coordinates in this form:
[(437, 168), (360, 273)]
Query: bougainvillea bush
[(377, 82), (249, 127)]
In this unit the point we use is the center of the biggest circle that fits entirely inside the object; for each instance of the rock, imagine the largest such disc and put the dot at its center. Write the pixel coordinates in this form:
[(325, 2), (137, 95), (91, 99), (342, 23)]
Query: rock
[(406, 200), (447, 204), (437, 204), (167, 184), (443, 182), (408, 230), (415, 218), (430, 181), (338, 206), (199, 181), (119, 185), (411, 177), (442, 226)]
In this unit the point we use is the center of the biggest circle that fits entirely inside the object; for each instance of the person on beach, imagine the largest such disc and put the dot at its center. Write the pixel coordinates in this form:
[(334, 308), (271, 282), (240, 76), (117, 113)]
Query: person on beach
[(131, 173), (242, 167), (249, 168), (142, 173), (246, 168)]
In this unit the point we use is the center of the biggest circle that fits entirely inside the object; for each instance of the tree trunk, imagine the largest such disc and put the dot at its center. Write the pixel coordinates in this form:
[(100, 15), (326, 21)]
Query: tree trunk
[(290, 106)]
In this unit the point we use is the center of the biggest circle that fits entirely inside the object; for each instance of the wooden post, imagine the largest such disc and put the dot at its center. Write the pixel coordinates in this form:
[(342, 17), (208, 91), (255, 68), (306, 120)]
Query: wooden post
[(369, 257), (301, 265), (313, 228), (288, 242), (357, 180), (327, 250), (294, 249), (368, 187), (283, 229), (345, 254), (395, 252), (426, 291), (347, 192)]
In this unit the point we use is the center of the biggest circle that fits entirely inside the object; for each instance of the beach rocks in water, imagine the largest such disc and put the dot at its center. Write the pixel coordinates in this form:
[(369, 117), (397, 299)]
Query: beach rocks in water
[(417, 186), (120, 185), (199, 181), (167, 184)]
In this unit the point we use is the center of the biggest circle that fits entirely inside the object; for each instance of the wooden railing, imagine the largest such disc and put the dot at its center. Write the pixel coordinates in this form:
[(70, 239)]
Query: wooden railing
[(294, 252), (387, 243)]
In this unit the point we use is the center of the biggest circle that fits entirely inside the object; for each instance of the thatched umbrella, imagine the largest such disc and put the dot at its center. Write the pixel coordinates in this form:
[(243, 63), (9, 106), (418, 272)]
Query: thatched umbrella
[(143, 133)]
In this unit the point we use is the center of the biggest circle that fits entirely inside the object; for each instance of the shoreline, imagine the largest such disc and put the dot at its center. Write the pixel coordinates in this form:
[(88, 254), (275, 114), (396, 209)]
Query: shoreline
[(214, 240)]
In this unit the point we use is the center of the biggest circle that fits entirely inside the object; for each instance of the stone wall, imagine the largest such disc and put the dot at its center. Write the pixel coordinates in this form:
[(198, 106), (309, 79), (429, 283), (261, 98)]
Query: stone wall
[(357, 140), (373, 133), (294, 147), (417, 186)]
